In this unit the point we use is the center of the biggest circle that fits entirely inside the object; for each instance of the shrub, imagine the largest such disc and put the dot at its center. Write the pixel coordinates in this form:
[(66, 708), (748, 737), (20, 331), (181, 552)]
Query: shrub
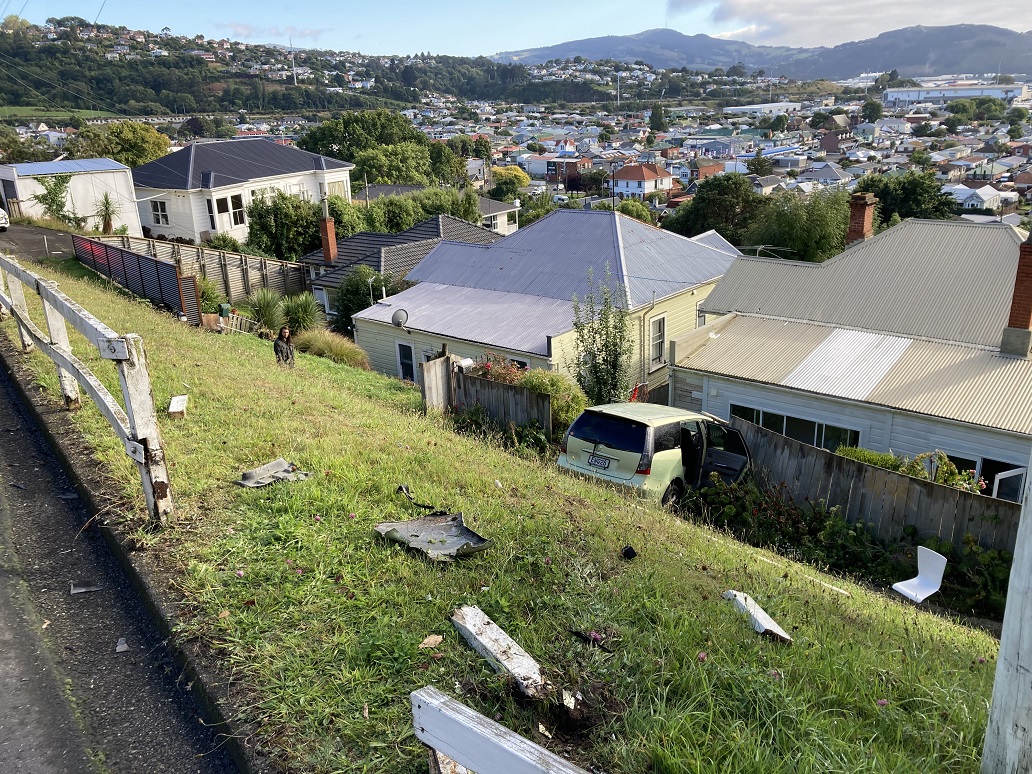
[(332, 346), (266, 307), (568, 399), (303, 312), (224, 242), (886, 460), (210, 297)]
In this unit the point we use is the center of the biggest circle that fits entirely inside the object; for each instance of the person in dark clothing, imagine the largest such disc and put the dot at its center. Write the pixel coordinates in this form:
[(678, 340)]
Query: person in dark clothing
[(284, 348)]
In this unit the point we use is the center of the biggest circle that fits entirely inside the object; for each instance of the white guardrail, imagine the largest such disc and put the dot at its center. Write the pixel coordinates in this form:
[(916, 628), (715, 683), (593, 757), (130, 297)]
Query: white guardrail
[(137, 424)]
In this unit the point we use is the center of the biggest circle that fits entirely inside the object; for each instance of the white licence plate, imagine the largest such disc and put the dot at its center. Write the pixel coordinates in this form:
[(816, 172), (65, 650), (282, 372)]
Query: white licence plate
[(598, 462)]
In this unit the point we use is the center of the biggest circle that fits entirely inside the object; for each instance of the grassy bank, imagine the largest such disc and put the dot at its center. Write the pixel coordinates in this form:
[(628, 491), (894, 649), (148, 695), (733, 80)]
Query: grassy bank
[(319, 621)]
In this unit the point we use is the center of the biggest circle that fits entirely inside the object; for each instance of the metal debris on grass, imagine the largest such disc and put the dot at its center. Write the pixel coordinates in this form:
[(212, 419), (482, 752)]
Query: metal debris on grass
[(441, 536), (271, 472)]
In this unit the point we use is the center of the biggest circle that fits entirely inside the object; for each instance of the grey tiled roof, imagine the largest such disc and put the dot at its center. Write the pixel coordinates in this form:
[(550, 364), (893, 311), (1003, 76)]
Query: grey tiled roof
[(552, 257), (217, 164)]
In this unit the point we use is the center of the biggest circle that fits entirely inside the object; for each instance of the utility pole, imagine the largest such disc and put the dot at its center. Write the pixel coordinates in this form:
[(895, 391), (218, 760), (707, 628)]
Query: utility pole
[(1008, 738)]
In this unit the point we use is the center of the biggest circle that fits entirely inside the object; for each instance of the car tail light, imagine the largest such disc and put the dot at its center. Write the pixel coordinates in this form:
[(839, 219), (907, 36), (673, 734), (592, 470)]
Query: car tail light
[(566, 437), (645, 463)]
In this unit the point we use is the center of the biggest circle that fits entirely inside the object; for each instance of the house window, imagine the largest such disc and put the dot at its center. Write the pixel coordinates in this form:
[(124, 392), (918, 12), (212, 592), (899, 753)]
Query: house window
[(222, 205), (700, 316), (658, 339), (337, 189), (159, 213), (807, 431), (237, 202), (211, 214)]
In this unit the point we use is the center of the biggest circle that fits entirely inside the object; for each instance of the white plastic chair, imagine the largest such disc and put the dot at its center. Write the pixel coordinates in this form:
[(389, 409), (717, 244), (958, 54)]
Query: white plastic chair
[(930, 567)]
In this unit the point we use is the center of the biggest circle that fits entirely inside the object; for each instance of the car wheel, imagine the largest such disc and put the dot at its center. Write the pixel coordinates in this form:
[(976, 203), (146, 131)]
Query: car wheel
[(672, 495)]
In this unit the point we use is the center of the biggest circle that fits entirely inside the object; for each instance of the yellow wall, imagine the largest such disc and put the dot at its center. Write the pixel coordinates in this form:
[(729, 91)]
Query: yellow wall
[(379, 340)]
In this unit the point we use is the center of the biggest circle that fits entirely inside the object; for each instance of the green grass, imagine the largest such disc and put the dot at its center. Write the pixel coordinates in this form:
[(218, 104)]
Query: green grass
[(318, 621), (43, 113)]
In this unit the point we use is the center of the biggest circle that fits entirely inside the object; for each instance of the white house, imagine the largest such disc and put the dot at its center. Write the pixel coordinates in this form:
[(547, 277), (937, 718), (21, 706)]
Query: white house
[(914, 340), (204, 189), (984, 198), (636, 181), (90, 180)]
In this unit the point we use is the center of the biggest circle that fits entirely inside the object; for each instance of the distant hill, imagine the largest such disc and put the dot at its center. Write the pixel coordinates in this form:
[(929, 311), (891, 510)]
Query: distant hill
[(913, 51)]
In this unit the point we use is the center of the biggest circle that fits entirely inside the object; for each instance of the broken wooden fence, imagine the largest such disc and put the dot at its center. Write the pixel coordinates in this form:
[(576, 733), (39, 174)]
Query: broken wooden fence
[(884, 501), (137, 424), (446, 388)]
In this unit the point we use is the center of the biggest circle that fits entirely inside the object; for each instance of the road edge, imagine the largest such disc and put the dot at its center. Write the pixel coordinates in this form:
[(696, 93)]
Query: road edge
[(55, 423)]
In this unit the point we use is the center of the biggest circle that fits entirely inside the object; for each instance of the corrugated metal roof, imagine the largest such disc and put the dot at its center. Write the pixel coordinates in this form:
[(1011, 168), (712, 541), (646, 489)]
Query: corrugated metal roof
[(953, 381), (847, 364), (552, 257), (69, 166), (229, 162), (943, 280), (509, 321)]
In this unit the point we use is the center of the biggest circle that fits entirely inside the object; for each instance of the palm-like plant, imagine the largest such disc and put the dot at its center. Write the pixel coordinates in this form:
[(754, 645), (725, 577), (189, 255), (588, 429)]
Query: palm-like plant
[(303, 312), (267, 308), (106, 212)]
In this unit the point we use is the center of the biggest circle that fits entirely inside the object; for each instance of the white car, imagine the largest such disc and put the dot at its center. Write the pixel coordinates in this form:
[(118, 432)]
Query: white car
[(4, 221)]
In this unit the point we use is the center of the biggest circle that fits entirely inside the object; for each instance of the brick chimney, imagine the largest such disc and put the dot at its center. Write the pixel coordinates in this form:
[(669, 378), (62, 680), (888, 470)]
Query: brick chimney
[(861, 218), (1017, 336), (328, 234)]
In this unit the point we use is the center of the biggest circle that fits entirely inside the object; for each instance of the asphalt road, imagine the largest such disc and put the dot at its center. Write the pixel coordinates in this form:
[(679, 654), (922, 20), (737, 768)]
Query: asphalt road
[(72, 700)]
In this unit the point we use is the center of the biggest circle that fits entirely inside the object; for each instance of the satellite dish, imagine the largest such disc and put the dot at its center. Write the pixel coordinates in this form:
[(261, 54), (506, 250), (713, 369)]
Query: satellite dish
[(399, 318)]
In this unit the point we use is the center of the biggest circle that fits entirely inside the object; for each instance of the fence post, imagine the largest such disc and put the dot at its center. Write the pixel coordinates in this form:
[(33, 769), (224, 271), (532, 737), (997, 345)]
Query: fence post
[(3, 288), (145, 445), (59, 338), (17, 293)]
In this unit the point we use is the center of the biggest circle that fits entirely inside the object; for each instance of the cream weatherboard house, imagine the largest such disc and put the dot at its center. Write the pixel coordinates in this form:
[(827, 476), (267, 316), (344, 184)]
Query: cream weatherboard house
[(515, 297), (204, 189), (914, 340)]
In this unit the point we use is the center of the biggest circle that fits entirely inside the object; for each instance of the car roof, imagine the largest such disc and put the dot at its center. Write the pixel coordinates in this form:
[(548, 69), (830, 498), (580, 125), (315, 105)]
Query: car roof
[(646, 413)]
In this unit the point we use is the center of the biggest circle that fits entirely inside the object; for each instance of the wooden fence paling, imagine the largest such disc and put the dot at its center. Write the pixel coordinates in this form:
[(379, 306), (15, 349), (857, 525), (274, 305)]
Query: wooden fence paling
[(59, 337), (136, 426), (888, 501)]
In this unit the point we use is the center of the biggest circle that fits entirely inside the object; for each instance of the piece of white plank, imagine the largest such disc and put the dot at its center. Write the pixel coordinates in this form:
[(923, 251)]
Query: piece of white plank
[(761, 622), (177, 406), (501, 650), (476, 742)]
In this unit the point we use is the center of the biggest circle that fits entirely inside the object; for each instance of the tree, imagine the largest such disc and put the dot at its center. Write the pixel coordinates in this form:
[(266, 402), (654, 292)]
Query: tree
[(636, 210), (913, 195), (871, 111), (361, 288), (284, 226), (760, 165), (54, 197), (603, 346), (445, 165), (811, 229), (405, 163), (482, 148), (1016, 116), (352, 133), (348, 218), (818, 119), (657, 120), (726, 203), (594, 180), (127, 142), (504, 190), (779, 123), (518, 176)]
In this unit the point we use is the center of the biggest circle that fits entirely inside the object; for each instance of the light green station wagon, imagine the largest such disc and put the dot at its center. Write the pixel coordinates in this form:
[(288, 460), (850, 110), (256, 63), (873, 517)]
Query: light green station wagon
[(659, 450)]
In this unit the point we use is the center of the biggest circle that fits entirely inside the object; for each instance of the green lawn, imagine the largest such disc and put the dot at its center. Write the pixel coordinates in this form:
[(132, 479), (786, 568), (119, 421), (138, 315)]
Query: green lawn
[(44, 113), (318, 620)]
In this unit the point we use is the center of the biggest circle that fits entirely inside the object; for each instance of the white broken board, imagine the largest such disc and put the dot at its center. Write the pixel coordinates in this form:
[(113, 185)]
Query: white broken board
[(476, 742), (501, 650), (177, 406), (761, 622)]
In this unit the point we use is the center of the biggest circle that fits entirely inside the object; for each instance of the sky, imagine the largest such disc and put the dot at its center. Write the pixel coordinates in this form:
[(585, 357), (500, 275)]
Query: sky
[(471, 28)]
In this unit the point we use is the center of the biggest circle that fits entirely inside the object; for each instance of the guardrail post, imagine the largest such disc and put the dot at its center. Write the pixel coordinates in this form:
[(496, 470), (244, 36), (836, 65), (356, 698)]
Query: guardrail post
[(143, 425), (59, 338), (3, 289), (17, 295)]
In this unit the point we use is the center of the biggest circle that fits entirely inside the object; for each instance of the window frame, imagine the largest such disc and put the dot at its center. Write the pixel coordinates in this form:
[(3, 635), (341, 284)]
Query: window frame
[(159, 213), (654, 362)]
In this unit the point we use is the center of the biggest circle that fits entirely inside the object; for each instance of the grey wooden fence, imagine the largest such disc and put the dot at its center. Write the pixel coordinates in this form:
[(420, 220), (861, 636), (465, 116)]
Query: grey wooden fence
[(884, 501), (236, 275), (445, 387)]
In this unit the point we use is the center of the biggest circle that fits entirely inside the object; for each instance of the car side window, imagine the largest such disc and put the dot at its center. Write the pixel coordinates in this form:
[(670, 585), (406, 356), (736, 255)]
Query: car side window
[(725, 439), (668, 437)]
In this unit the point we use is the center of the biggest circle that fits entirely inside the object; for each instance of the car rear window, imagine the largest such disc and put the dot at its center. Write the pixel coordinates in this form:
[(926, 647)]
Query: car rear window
[(614, 432)]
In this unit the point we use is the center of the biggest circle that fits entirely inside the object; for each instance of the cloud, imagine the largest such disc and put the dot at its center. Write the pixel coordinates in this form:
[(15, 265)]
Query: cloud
[(813, 23), (240, 31), (742, 33)]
